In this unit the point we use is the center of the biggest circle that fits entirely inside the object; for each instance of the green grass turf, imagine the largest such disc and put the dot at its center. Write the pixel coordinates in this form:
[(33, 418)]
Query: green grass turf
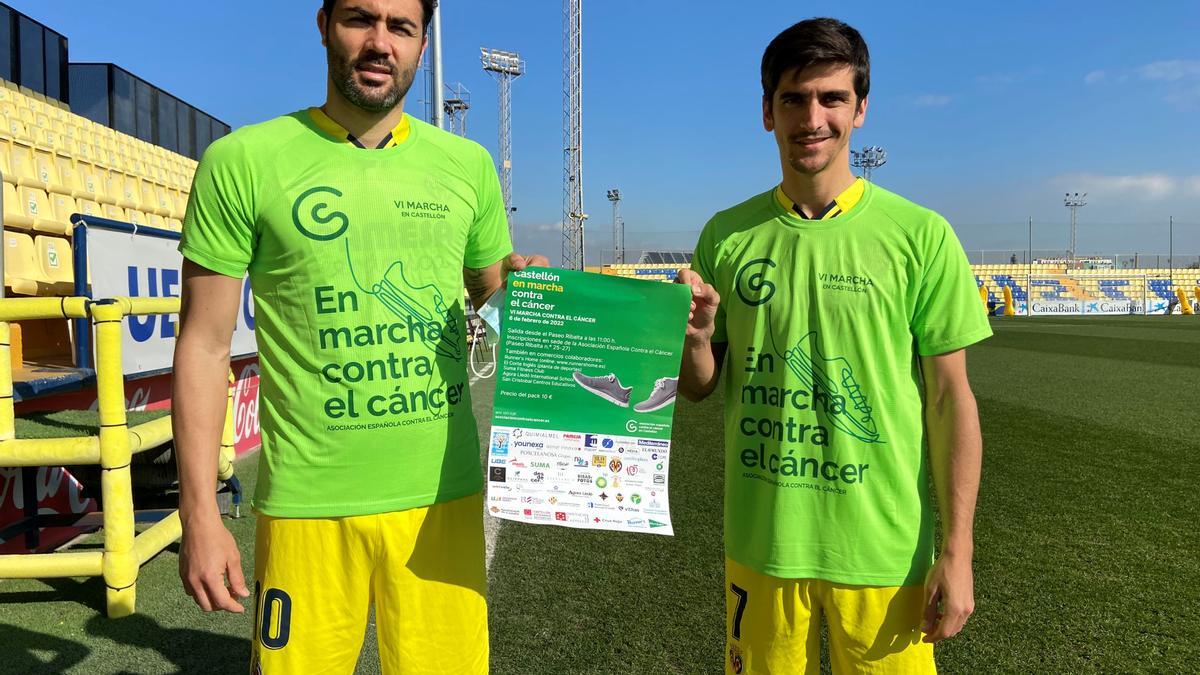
[(1085, 540), (73, 423)]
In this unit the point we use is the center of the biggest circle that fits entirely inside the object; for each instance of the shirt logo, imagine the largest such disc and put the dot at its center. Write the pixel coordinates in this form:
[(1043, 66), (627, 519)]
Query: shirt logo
[(318, 222), (751, 284)]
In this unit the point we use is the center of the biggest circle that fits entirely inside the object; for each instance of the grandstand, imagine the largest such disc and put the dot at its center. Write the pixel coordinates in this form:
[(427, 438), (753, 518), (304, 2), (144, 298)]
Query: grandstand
[(1046, 282)]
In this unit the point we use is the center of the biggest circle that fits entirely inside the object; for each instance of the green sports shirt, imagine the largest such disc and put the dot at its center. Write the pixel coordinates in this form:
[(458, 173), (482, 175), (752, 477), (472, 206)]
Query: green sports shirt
[(824, 321), (355, 259)]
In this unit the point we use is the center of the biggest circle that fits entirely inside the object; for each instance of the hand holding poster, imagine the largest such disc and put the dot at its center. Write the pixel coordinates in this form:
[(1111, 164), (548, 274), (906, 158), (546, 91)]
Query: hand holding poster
[(585, 393)]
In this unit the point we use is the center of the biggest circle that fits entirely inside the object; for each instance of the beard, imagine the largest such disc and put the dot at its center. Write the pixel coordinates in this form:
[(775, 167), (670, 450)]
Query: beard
[(375, 99)]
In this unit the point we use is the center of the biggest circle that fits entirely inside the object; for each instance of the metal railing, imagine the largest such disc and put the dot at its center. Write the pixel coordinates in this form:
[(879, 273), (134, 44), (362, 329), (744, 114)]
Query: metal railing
[(123, 553)]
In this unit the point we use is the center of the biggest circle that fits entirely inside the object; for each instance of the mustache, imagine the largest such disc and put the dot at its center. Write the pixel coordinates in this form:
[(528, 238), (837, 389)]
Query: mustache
[(379, 60)]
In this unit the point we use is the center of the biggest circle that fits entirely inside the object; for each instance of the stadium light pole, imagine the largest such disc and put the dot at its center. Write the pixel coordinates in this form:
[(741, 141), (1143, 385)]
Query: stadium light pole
[(1074, 201), (614, 196), (1171, 247), (436, 95), (870, 157)]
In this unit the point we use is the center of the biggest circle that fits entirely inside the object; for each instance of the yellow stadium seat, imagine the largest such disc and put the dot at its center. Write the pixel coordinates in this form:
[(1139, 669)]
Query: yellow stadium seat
[(174, 224), (14, 213), (41, 120), (46, 171), (136, 217), (5, 165), (83, 151), (155, 220), (7, 109), (90, 208), (58, 269), (112, 186), (20, 162), (130, 196), (63, 206), (92, 180), (179, 200), (160, 199), (24, 115), (114, 212), (21, 269), (36, 205), (55, 142)]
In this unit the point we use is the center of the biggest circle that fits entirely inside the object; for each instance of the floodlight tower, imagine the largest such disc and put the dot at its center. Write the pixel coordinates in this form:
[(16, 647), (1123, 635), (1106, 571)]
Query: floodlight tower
[(456, 104), (1074, 201), (505, 67), (573, 215), (870, 157), (614, 196)]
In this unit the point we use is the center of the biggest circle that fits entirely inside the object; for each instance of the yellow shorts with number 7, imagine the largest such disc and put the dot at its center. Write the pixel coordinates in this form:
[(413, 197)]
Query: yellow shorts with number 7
[(773, 625)]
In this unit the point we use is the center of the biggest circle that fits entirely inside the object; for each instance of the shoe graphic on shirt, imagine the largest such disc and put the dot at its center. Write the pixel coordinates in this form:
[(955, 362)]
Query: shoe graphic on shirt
[(607, 387), (830, 377), (662, 396), (422, 306)]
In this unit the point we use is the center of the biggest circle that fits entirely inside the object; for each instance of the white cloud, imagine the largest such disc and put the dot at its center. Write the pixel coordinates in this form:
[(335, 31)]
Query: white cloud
[(1179, 79), (933, 100), (1171, 71), (1150, 187)]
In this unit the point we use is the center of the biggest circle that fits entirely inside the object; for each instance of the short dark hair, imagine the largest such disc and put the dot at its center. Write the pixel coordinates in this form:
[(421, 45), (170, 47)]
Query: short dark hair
[(426, 9), (816, 41)]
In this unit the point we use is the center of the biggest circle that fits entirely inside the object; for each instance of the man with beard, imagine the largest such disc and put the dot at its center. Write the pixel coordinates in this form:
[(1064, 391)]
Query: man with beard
[(360, 227), (844, 311)]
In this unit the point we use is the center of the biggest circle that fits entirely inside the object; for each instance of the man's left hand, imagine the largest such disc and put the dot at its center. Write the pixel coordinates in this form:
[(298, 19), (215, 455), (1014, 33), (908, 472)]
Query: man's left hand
[(949, 597), (515, 262)]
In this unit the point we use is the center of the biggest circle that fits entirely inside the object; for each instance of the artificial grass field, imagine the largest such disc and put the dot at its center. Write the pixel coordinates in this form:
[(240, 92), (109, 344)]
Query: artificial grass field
[(1086, 540)]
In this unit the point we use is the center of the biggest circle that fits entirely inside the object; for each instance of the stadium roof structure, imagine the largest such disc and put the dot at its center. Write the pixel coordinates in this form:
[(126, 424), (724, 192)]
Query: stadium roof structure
[(666, 257)]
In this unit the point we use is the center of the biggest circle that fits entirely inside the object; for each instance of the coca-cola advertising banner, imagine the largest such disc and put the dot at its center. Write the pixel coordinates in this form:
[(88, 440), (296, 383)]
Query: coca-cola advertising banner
[(144, 263)]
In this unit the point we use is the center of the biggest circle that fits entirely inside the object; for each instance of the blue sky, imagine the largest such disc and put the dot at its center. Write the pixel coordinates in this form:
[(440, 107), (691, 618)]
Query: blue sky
[(989, 111)]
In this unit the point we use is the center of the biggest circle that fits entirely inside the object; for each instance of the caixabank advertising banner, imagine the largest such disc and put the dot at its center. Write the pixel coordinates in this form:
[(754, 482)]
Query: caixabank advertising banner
[(585, 393)]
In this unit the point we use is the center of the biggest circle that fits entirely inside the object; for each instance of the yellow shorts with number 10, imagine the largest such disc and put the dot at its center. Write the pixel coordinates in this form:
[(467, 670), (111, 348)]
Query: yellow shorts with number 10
[(315, 580), (773, 626)]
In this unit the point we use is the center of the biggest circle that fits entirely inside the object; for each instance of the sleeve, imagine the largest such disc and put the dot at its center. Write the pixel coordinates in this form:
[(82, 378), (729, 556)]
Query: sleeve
[(219, 231), (947, 313), (488, 240), (704, 263)]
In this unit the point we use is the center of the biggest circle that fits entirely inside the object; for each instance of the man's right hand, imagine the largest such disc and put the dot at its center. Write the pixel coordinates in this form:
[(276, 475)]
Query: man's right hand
[(703, 313), (211, 566)]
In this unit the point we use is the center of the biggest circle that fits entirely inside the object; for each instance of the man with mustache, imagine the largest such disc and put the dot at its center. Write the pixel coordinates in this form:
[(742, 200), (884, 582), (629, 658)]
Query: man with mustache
[(844, 311), (359, 226)]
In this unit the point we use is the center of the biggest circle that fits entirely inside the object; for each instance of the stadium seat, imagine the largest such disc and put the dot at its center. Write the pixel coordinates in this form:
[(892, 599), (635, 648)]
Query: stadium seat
[(90, 208), (155, 220), (136, 217), (5, 166), (36, 205), (20, 161), (57, 267), (14, 213), (18, 131), (174, 224), (21, 270), (92, 181), (161, 201), (46, 171), (114, 212), (64, 206)]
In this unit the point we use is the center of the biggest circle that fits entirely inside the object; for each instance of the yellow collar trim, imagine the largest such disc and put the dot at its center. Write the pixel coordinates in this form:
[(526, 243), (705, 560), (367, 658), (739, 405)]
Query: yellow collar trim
[(845, 201), (328, 125)]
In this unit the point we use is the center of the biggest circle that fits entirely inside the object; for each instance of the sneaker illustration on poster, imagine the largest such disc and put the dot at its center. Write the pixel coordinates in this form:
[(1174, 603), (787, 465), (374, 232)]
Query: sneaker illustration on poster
[(833, 377), (662, 396), (607, 387)]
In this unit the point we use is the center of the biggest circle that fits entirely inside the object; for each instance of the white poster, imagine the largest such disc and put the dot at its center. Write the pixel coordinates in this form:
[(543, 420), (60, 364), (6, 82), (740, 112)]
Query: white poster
[(147, 265), (588, 481), (1113, 306)]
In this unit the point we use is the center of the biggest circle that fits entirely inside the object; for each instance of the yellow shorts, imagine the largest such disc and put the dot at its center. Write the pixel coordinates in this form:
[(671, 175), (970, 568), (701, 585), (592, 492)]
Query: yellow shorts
[(773, 625), (315, 579)]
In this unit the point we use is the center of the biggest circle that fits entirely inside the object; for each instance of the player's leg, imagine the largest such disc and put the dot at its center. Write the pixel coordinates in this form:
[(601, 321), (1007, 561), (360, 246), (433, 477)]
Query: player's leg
[(876, 630), (312, 594), (771, 624), (431, 590)]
